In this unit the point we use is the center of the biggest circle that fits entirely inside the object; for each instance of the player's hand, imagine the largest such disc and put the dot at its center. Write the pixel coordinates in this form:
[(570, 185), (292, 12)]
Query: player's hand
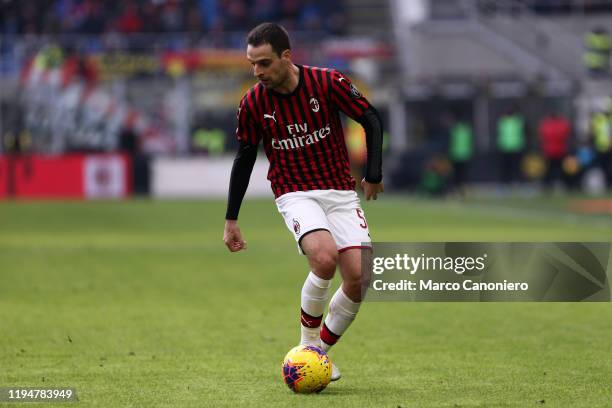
[(232, 236), (371, 190)]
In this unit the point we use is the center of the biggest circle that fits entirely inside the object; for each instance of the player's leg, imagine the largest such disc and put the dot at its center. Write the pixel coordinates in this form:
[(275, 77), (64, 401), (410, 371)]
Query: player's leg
[(345, 303), (307, 221), (320, 249), (350, 231)]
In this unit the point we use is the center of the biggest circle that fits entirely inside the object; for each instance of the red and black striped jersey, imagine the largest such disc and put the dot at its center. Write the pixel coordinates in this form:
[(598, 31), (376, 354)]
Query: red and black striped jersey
[(301, 131)]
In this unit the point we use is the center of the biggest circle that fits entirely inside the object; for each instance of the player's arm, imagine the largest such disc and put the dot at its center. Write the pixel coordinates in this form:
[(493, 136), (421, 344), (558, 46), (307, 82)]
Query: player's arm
[(248, 137), (239, 182), (372, 182), (349, 100)]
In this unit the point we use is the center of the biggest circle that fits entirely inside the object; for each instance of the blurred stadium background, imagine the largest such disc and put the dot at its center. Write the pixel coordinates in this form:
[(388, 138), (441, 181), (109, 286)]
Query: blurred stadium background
[(115, 98), (502, 108)]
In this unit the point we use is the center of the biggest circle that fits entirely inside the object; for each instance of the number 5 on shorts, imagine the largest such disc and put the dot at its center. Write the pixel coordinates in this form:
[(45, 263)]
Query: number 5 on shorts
[(363, 225)]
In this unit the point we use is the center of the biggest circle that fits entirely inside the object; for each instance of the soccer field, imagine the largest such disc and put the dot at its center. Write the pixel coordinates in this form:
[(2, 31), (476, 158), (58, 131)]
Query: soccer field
[(139, 304)]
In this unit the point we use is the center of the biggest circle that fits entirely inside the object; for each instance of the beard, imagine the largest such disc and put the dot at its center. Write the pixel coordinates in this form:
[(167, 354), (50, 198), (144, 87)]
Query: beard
[(278, 82)]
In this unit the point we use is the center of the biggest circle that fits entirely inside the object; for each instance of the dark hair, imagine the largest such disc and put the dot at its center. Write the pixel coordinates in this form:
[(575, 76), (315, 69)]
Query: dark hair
[(270, 33)]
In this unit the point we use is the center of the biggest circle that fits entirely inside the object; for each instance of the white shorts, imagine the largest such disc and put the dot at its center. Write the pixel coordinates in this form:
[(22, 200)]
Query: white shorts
[(336, 211)]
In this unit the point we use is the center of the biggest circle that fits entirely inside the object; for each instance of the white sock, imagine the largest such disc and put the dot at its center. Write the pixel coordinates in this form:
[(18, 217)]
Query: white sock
[(314, 297), (342, 311)]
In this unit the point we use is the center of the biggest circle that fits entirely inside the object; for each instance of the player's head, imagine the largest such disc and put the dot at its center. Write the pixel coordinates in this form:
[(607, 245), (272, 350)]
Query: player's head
[(269, 51)]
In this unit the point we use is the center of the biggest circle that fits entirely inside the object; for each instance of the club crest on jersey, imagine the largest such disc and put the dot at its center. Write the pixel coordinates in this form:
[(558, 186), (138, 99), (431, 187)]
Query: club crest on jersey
[(355, 92), (314, 104), (296, 226)]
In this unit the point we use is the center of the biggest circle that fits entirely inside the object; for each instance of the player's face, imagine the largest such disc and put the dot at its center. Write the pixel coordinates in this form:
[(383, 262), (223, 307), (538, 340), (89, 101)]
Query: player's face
[(271, 70)]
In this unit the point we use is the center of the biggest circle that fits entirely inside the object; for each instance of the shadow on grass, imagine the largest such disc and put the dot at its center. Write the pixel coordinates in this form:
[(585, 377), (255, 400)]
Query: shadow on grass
[(347, 390), (340, 390)]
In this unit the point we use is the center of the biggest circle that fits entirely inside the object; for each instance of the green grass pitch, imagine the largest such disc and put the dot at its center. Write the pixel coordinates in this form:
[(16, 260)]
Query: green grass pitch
[(139, 304)]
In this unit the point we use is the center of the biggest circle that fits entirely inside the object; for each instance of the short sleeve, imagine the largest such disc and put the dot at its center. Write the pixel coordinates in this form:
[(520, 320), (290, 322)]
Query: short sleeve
[(246, 132), (346, 96)]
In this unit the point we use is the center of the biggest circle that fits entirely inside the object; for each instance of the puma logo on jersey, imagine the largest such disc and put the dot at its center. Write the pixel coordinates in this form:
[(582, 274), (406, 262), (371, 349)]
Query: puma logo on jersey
[(267, 116), (341, 78)]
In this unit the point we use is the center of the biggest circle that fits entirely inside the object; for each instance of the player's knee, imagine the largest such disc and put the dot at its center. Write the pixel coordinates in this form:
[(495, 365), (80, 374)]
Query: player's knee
[(324, 262), (353, 289), (354, 281)]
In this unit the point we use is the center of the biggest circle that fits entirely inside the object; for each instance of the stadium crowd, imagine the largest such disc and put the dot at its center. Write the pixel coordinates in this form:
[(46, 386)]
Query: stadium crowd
[(164, 16)]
